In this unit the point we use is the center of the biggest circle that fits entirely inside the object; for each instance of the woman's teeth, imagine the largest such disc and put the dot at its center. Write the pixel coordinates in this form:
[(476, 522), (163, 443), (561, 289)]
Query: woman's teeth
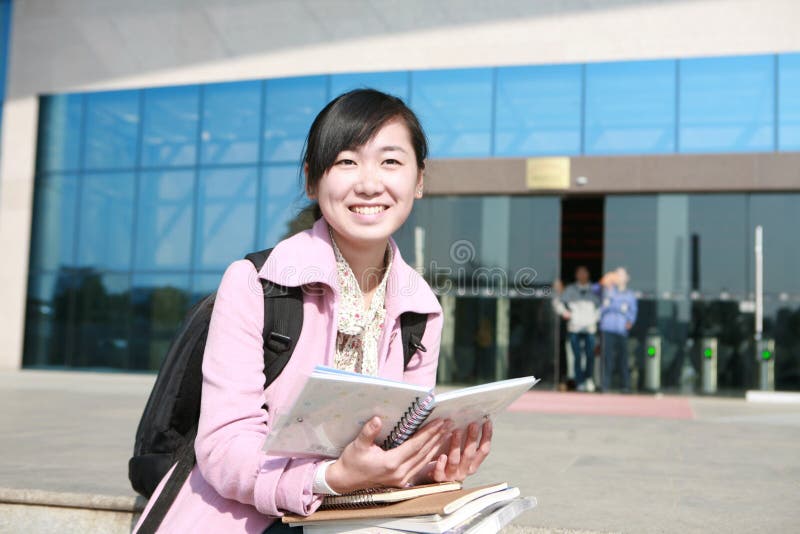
[(367, 210)]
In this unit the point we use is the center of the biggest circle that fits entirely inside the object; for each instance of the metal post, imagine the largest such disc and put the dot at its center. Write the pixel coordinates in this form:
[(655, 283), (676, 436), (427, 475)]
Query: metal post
[(447, 367), (708, 355), (652, 365), (501, 337), (766, 364)]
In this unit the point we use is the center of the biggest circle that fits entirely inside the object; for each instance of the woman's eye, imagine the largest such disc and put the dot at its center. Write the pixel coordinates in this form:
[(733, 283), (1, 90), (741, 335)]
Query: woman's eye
[(391, 162), (345, 162)]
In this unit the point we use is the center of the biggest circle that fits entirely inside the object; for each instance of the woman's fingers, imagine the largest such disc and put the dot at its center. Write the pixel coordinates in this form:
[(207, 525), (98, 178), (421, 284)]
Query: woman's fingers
[(483, 448), (366, 438)]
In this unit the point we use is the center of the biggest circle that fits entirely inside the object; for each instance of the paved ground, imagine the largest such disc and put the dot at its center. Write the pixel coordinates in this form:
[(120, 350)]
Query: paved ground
[(595, 463)]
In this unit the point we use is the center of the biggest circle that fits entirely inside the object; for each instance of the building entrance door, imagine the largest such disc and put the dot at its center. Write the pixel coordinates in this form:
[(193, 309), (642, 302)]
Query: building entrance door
[(581, 245)]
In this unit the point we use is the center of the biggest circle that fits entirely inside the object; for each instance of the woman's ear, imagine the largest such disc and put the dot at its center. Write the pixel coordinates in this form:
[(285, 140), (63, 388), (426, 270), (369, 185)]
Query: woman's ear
[(420, 182)]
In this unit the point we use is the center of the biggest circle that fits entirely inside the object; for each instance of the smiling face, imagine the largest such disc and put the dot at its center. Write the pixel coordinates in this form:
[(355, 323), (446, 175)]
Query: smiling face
[(369, 191)]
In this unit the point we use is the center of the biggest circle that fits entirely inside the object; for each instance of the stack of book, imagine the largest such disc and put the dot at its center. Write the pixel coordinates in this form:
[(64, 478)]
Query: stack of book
[(430, 508)]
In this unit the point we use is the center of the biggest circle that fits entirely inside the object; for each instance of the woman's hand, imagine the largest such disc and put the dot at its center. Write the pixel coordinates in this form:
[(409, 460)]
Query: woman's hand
[(464, 455), (363, 464)]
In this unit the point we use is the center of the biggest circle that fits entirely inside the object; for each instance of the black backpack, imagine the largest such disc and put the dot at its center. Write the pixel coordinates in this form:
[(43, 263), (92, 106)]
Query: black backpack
[(168, 425)]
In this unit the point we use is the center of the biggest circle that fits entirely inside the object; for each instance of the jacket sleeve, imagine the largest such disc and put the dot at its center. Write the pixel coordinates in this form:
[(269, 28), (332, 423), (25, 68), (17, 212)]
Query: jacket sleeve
[(633, 310), (233, 420), (422, 367)]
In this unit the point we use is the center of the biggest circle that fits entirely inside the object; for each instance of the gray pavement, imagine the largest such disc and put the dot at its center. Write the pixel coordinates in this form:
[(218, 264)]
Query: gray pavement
[(735, 467)]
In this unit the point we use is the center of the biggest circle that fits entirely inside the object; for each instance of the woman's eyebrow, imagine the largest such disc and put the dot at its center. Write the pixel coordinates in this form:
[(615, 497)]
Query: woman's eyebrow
[(390, 148)]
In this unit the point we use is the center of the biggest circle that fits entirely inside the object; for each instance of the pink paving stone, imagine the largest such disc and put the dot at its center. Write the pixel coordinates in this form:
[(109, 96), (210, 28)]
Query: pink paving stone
[(608, 404)]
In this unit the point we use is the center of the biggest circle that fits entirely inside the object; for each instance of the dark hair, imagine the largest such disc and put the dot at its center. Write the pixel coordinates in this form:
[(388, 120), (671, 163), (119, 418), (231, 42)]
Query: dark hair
[(348, 122)]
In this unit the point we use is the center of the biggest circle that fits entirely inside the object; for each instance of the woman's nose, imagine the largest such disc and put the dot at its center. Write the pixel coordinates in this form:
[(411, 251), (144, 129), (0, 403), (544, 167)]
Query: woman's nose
[(369, 183)]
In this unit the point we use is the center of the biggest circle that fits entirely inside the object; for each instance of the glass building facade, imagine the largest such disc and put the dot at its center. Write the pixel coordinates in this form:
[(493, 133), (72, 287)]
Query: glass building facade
[(143, 197)]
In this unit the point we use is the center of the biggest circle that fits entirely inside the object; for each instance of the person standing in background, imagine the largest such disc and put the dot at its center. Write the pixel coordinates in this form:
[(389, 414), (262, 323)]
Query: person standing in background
[(579, 305), (617, 317)]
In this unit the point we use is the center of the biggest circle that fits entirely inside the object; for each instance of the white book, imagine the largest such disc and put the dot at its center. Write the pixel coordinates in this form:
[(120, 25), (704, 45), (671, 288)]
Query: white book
[(427, 524), (333, 406), (493, 520)]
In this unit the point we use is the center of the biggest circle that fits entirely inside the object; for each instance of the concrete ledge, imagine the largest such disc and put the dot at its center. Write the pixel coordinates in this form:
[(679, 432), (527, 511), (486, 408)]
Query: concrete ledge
[(33, 497), (773, 397), (43, 519)]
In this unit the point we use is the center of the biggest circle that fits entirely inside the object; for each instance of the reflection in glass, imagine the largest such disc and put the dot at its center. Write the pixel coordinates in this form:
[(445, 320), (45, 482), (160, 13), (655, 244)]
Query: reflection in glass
[(780, 219), (106, 221), (789, 102), (165, 208), (102, 320), (230, 122), (53, 227), (159, 303), (281, 201), (393, 83), (60, 118), (46, 320), (534, 240), (112, 128), (169, 136), (455, 108), (226, 218), (630, 107), (727, 104), (629, 227), (720, 225), (291, 105), (538, 111)]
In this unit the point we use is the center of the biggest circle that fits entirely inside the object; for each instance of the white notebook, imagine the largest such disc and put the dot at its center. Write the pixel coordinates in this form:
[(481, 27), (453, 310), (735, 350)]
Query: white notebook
[(333, 406)]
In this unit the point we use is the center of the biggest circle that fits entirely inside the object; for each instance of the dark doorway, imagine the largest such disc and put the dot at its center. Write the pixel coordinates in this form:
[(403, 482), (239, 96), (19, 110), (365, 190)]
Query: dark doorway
[(581, 236)]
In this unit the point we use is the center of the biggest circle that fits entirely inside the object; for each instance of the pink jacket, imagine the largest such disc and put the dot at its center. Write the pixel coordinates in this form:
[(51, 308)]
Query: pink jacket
[(235, 487)]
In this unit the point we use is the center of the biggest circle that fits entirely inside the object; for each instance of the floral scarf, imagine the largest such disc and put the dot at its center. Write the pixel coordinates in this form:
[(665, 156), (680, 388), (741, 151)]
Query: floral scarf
[(359, 330)]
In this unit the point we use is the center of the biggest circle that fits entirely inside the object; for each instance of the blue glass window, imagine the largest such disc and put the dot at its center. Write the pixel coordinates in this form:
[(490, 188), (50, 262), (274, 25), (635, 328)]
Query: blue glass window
[(231, 116), (164, 220), (291, 105), (455, 108), (159, 302), (59, 141), (727, 104), (46, 315), (282, 200), (112, 129), (226, 217), (789, 102), (203, 285), (171, 117), (106, 221), (538, 111), (630, 107), (393, 83), (102, 321), (54, 217)]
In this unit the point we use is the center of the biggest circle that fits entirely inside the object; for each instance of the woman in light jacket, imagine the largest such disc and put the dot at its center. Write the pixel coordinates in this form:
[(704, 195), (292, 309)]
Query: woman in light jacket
[(363, 165)]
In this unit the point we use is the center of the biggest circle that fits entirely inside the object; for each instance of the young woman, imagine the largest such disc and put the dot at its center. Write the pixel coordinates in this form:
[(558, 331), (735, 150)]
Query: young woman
[(363, 165)]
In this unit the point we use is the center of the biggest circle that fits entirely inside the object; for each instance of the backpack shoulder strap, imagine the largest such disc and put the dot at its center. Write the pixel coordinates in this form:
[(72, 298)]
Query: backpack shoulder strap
[(412, 325), (283, 320)]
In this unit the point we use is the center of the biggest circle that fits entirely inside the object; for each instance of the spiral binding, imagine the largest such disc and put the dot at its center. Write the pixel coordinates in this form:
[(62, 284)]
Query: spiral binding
[(414, 417), (349, 501)]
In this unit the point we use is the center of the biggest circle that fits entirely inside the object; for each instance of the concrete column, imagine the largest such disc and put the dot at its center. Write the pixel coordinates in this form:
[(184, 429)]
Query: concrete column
[(17, 167)]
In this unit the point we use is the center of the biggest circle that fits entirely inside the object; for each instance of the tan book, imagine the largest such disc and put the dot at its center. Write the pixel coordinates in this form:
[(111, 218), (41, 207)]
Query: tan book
[(436, 504), (379, 496)]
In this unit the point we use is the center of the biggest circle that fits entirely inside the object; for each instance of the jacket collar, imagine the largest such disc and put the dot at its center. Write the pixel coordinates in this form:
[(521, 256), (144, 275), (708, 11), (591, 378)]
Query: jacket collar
[(308, 258)]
